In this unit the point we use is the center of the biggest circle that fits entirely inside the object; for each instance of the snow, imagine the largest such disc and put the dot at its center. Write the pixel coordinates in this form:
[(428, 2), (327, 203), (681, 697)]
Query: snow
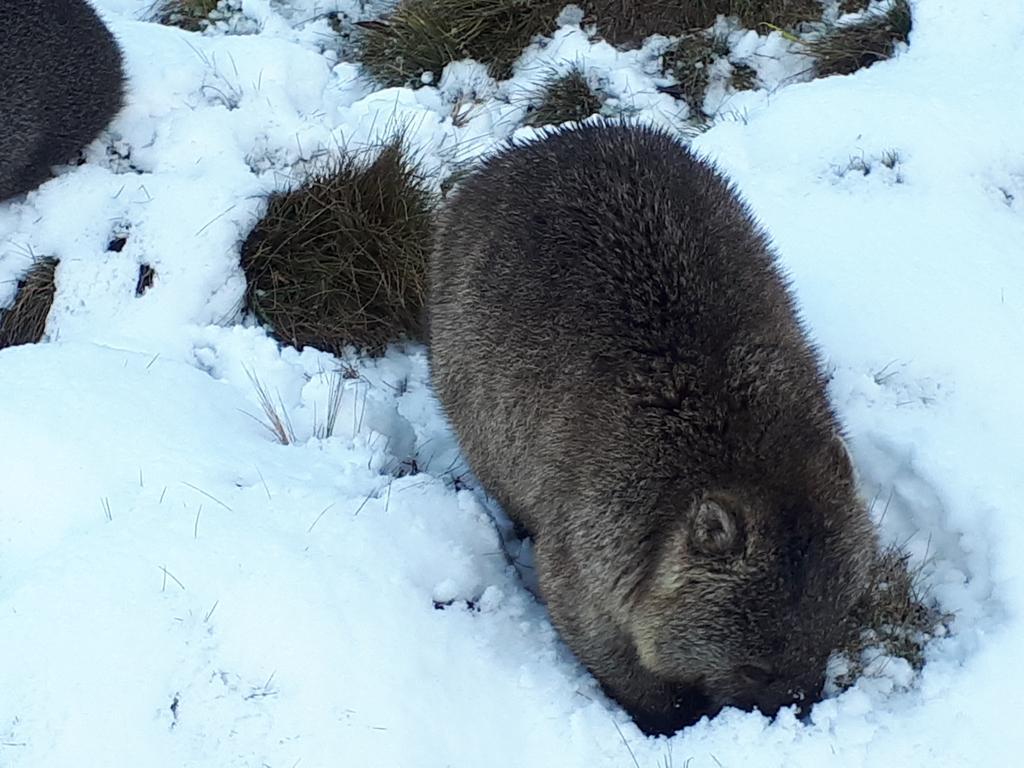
[(178, 589)]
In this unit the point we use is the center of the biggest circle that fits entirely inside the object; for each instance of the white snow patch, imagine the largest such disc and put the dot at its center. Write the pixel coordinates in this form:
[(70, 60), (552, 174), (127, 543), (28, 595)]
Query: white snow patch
[(177, 588)]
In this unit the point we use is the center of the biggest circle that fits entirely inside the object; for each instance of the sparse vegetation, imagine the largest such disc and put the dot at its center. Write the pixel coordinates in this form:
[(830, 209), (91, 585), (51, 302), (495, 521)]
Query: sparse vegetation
[(744, 77), (422, 36), (192, 15), (275, 417), (890, 158), (689, 61), (845, 48), (342, 259), (24, 322), (895, 618), (865, 165), (323, 426), (425, 35), (629, 22), (568, 97)]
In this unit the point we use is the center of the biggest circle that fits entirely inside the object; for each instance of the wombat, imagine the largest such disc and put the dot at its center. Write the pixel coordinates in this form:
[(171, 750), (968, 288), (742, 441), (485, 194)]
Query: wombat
[(61, 83), (623, 365)]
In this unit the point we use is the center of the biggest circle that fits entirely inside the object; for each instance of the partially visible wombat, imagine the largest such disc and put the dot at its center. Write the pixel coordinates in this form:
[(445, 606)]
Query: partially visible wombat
[(61, 82), (623, 365)]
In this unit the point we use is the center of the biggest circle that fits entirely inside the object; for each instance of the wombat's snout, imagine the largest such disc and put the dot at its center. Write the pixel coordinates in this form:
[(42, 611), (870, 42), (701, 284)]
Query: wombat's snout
[(762, 689)]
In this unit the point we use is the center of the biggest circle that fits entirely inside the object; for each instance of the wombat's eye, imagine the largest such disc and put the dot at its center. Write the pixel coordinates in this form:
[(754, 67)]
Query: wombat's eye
[(715, 529)]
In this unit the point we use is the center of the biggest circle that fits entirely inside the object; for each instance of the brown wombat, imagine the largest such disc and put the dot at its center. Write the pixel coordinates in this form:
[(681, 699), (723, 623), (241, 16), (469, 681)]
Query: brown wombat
[(61, 82), (623, 365)]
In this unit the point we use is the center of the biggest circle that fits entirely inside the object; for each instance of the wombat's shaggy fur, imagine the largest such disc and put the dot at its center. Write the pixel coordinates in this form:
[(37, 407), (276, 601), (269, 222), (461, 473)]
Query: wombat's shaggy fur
[(623, 365), (61, 82)]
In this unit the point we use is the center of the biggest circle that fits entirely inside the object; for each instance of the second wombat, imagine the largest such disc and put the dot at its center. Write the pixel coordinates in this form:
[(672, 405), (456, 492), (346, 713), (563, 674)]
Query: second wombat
[(61, 82)]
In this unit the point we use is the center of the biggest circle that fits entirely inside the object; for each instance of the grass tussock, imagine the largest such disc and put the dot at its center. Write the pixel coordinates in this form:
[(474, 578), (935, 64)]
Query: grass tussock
[(425, 35), (342, 259), (24, 322), (629, 22), (567, 97), (192, 15), (779, 13), (895, 618), (846, 48)]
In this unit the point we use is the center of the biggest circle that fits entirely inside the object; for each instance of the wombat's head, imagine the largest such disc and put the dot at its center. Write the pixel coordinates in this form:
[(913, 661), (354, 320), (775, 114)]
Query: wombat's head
[(751, 589)]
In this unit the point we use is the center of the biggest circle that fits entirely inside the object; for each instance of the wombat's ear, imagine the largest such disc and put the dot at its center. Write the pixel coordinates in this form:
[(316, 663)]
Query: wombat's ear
[(715, 529)]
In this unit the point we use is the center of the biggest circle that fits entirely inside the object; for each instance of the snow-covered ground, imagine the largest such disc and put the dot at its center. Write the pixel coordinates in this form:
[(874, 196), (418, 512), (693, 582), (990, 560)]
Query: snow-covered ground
[(178, 589)]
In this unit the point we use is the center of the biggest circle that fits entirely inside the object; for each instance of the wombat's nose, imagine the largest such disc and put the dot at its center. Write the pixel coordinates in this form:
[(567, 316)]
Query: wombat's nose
[(768, 692)]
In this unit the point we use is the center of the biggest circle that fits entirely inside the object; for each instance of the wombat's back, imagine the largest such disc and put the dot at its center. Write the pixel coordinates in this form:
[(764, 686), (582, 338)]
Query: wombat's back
[(61, 82), (571, 267)]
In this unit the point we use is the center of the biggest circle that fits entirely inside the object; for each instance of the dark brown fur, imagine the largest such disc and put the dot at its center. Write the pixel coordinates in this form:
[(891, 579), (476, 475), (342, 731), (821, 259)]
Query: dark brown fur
[(61, 82), (623, 365)]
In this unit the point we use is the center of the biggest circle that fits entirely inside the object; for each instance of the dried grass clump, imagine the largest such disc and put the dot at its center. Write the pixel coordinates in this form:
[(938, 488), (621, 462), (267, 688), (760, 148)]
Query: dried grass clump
[(342, 259), (568, 97), (630, 22), (24, 322), (853, 6), (689, 62), (192, 15), (778, 13), (895, 617), (848, 47), (425, 35)]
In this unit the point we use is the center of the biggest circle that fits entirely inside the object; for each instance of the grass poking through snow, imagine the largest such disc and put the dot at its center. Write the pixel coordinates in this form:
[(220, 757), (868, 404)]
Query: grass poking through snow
[(323, 427), (689, 61), (422, 36), (567, 97), (192, 15), (845, 48), (425, 35), (24, 322), (896, 617), (342, 259), (275, 416), (629, 22)]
